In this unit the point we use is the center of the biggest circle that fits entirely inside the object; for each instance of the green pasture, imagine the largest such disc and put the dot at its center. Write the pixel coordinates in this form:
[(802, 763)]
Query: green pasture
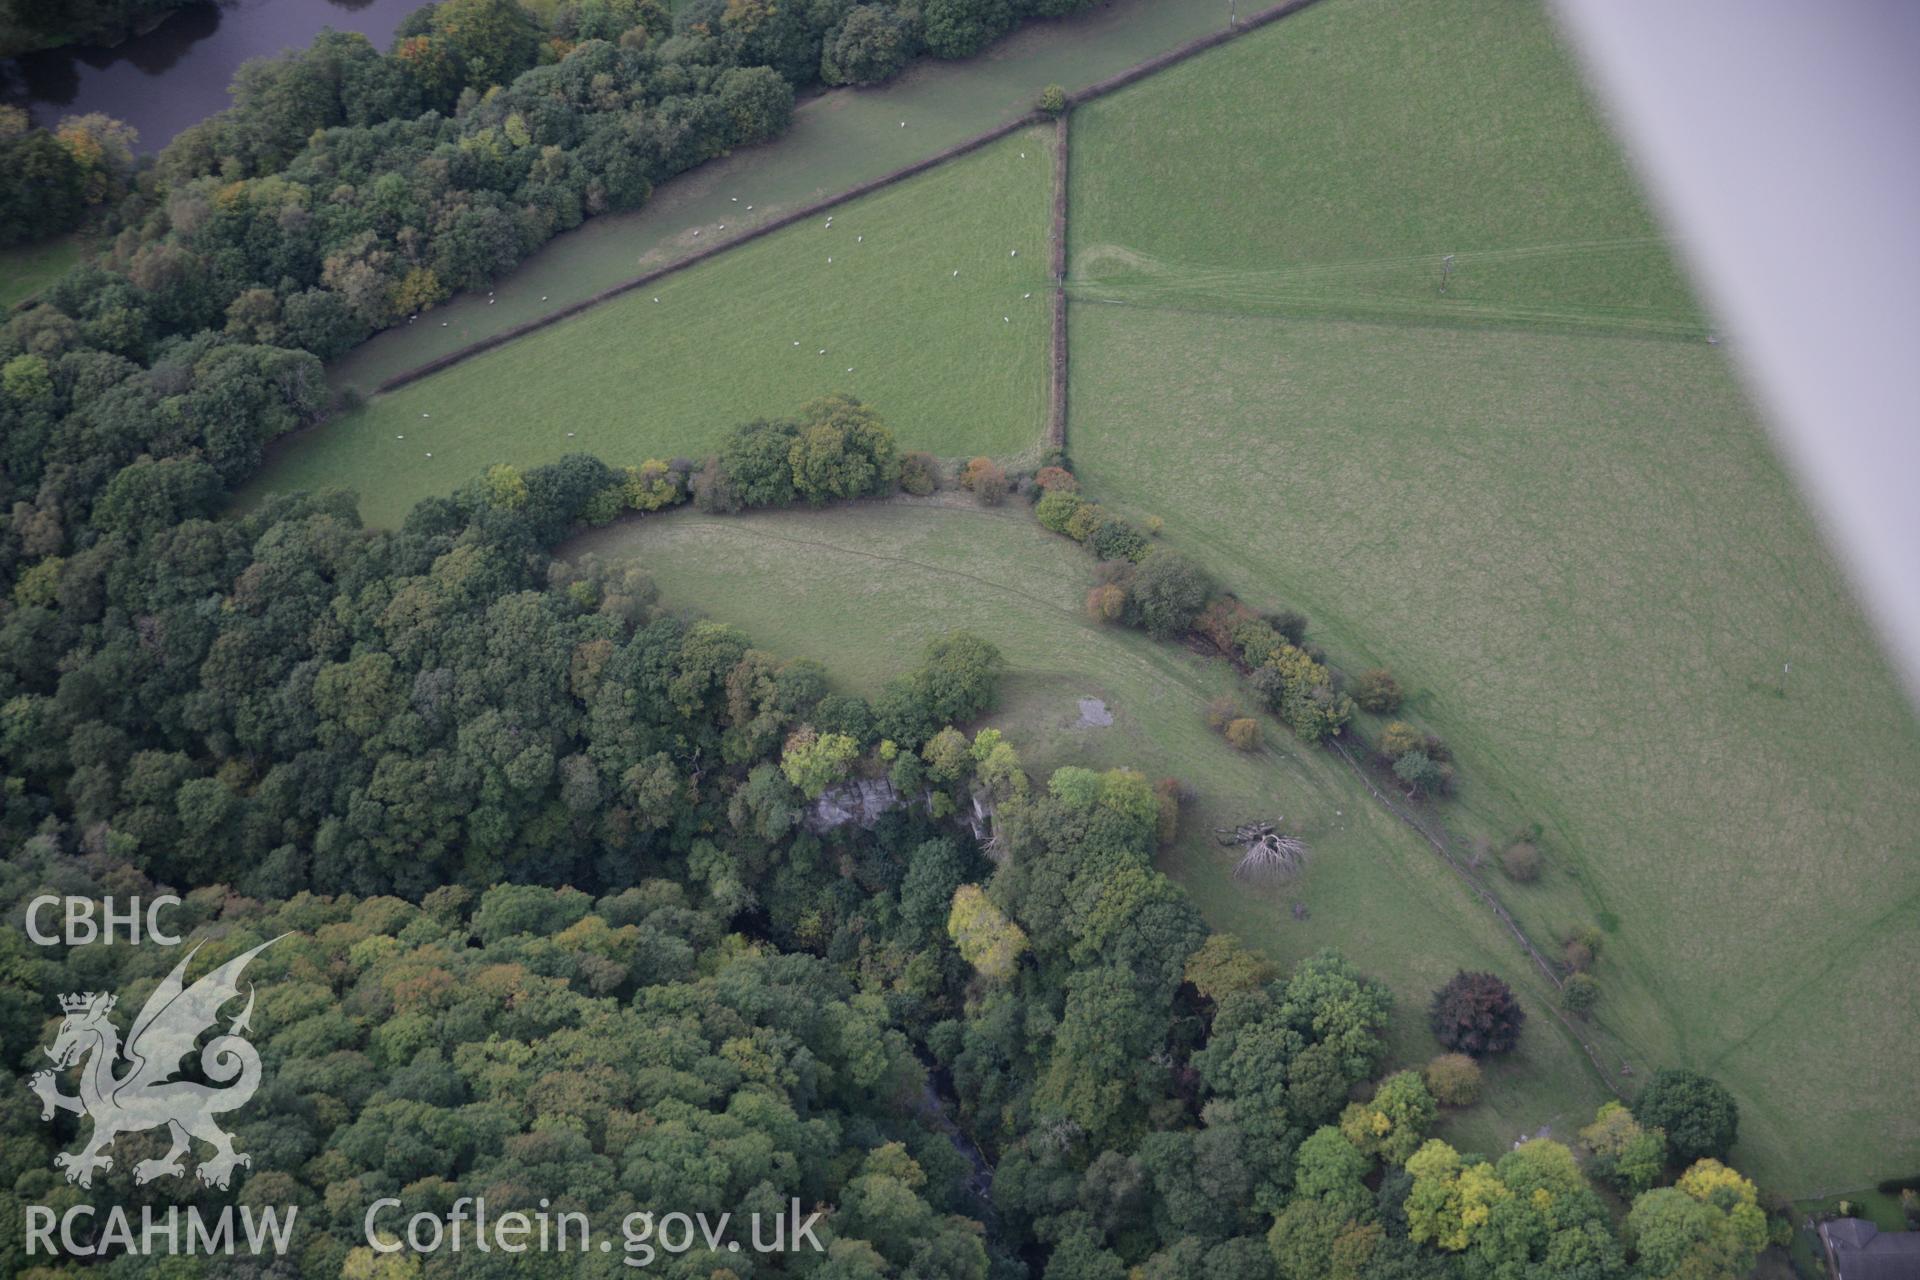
[(1328, 163), (1538, 497), (28, 268), (863, 588), (929, 300), (1541, 499), (839, 139), (1581, 554)]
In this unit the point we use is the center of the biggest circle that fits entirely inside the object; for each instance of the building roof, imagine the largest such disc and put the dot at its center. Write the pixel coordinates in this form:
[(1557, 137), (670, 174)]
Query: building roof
[(1861, 1251)]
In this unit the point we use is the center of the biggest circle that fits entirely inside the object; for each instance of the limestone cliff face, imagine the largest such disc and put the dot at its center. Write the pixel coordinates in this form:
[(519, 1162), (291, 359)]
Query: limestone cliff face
[(861, 801)]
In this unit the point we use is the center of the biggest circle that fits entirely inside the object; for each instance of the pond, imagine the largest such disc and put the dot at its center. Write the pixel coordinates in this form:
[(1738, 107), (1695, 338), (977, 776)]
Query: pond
[(177, 74)]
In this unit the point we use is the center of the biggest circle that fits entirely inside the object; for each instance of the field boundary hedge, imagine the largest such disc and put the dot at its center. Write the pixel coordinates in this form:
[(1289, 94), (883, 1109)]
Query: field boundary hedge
[(1098, 89), (1057, 404)]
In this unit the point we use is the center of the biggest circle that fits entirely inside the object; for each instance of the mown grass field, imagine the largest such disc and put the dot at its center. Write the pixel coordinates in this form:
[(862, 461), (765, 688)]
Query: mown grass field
[(863, 588), (838, 139), (915, 295), (1557, 520), (26, 269)]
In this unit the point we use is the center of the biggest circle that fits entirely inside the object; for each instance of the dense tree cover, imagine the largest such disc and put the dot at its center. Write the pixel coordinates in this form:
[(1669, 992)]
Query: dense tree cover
[(276, 236), (348, 190), (747, 1025), (729, 1006), (562, 925), (286, 701), (541, 1048), (56, 177)]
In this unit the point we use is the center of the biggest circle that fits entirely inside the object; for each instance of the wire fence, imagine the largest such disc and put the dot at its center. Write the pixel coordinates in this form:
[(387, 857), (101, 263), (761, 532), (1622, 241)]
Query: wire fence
[(1056, 428)]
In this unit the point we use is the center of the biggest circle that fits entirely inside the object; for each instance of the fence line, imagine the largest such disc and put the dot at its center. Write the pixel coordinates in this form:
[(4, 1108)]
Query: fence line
[(1499, 909), (1096, 90), (1057, 408), (1200, 44), (780, 223)]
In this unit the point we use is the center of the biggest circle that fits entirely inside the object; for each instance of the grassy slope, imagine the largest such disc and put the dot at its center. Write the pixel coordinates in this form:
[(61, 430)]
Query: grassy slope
[(895, 575), (26, 269), (838, 139), (1577, 548), (935, 353)]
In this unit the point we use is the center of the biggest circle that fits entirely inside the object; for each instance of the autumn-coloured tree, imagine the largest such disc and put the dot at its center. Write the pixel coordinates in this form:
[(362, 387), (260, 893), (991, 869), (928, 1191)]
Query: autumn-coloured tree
[(1521, 861), (1377, 691), (1392, 1123), (1244, 733), (948, 755), (1453, 1079), (986, 480), (1624, 1152), (1398, 738), (1451, 1200), (1107, 602), (1056, 511), (814, 761), (1476, 1014), (987, 940), (1223, 966), (1056, 480), (919, 473), (654, 485)]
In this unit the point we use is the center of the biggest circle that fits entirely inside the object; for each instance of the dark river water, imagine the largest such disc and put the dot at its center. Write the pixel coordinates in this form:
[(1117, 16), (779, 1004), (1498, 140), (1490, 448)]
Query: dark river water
[(177, 74)]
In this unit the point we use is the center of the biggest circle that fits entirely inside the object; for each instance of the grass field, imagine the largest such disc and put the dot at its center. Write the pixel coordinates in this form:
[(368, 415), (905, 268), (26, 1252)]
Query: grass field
[(1576, 546), (914, 294), (838, 139), (864, 588), (1289, 175), (26, 269)]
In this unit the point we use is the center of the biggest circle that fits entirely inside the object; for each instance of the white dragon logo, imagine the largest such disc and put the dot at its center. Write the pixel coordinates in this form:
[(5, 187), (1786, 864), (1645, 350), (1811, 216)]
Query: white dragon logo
[(145, 1097)]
